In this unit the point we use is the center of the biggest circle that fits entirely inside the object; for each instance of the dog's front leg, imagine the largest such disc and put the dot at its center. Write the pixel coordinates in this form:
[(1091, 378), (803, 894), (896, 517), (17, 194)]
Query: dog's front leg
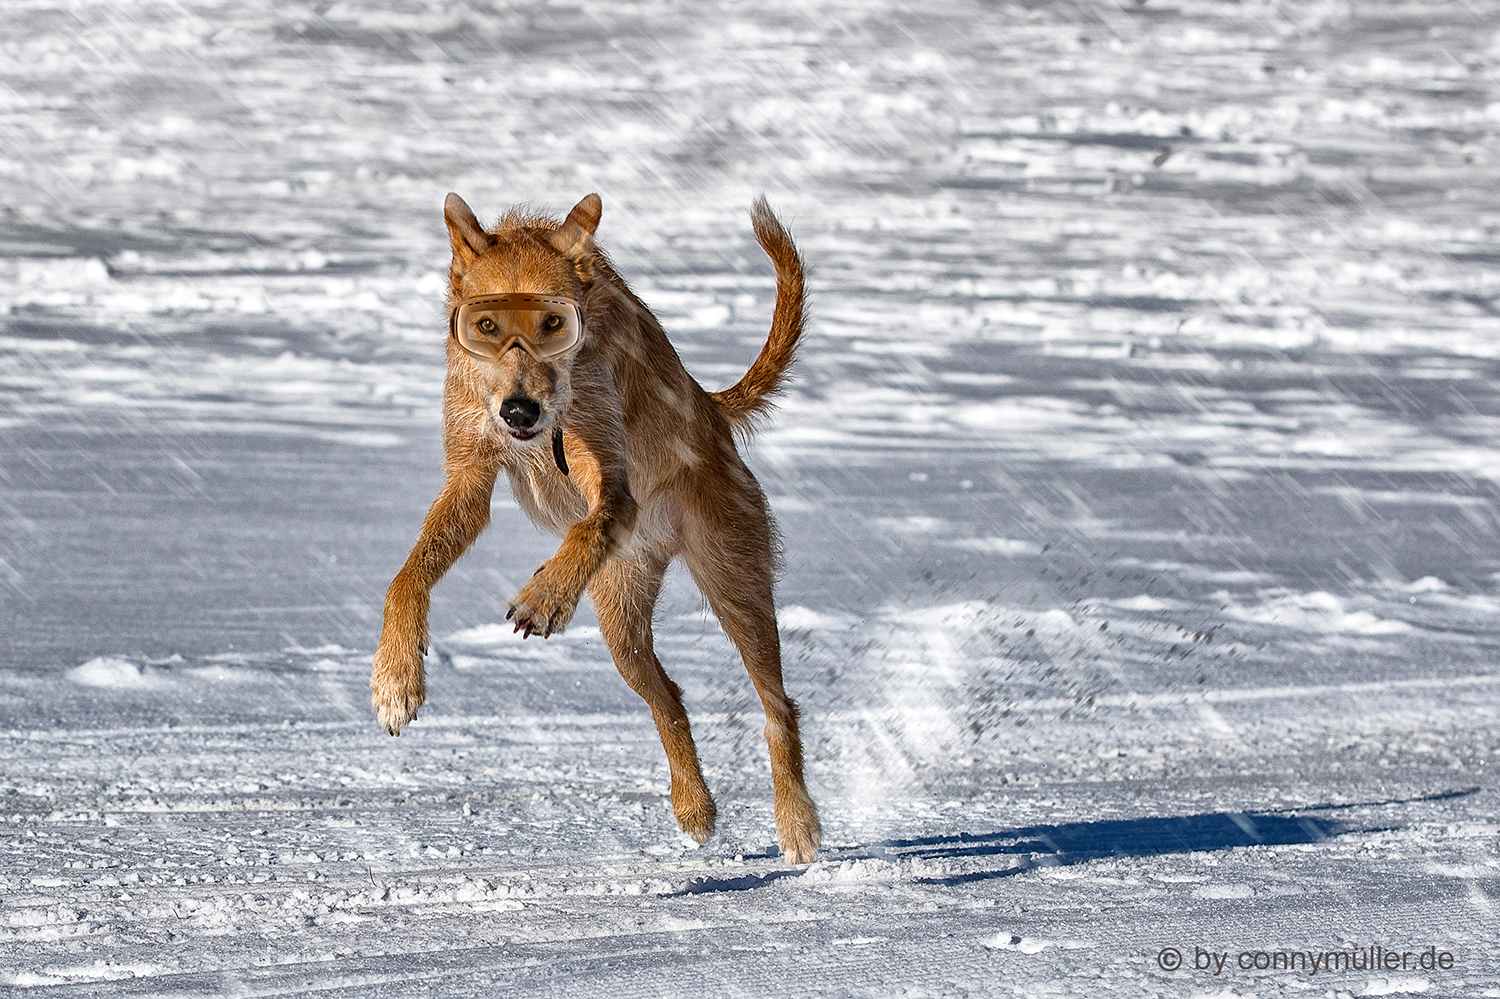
[(546, 604), (458, 515)]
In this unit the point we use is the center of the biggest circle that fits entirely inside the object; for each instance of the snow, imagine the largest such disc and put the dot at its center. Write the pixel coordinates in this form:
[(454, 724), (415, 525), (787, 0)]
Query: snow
[(111, 671), (1138, 486)]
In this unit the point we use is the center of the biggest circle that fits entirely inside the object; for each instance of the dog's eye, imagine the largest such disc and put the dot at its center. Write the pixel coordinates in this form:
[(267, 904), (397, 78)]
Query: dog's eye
[(485, 325), (552, 323)]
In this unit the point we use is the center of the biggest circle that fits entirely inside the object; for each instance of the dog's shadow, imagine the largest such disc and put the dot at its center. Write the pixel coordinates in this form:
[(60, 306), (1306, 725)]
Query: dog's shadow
[(1077, 842)]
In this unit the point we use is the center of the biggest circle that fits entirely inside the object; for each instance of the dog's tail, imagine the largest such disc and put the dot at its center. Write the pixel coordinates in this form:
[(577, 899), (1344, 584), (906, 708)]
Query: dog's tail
[(750, 397)]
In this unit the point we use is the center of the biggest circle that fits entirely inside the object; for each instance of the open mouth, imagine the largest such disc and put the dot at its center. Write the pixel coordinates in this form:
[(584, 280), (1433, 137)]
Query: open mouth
[(523, 435)]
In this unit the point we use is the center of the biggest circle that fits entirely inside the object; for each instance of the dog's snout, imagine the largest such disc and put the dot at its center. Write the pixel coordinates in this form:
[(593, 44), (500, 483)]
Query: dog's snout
[(520, 413)]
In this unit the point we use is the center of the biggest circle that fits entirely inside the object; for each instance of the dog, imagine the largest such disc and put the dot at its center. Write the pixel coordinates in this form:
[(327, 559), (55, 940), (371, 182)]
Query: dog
[(567, 383)]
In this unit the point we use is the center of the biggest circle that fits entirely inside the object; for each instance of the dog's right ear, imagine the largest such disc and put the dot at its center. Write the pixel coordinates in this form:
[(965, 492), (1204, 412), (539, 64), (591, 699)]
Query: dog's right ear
[(468, 236)]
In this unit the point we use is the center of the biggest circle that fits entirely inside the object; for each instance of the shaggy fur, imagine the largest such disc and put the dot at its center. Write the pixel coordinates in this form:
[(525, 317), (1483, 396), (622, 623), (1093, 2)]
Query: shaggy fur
[(654, 475)]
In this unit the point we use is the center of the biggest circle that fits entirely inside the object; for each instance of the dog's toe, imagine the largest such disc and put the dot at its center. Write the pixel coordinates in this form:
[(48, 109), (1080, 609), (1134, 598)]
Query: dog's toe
[(536, 611), (395, 712), (799, 854), (396, 694)]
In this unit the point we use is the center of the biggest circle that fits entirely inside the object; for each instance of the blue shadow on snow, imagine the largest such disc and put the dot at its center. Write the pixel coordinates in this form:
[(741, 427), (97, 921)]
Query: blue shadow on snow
[(1077, 842)]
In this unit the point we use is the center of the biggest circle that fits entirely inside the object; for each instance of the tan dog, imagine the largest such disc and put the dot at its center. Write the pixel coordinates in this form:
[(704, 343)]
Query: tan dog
[(644, 470)]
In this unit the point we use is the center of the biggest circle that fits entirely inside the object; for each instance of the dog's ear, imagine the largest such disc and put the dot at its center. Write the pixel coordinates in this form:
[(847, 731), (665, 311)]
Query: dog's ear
[(574, 239), (468, 236)]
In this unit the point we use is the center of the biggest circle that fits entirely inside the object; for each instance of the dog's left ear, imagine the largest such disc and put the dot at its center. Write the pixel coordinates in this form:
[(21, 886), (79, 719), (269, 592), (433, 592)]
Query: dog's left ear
[(574, 239)]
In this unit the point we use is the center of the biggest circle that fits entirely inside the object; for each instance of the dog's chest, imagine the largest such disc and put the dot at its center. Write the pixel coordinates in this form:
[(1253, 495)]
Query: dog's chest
[(547, 497)]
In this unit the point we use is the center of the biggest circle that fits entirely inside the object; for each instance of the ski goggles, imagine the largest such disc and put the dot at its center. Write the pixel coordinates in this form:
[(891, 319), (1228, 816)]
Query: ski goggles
[(489, 325)]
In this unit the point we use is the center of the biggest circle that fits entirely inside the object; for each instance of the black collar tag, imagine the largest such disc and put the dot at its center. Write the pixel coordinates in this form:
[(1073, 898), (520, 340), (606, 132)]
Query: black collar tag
[(557, 451)]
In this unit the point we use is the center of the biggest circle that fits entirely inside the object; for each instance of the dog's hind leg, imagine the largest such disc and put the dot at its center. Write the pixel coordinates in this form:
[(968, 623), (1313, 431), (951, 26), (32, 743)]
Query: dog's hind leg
[(730, 554), (624, 594)]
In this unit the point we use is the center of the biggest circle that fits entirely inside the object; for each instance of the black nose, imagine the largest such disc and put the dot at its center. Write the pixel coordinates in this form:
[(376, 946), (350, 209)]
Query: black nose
[(521, 413)]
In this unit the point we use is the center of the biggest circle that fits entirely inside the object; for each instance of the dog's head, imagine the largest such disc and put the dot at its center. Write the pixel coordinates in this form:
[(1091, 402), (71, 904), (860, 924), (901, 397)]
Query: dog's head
[(531, 255)]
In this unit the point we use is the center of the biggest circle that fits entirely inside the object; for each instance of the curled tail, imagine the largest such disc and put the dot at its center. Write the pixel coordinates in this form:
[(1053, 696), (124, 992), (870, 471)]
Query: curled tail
[(750, 397)]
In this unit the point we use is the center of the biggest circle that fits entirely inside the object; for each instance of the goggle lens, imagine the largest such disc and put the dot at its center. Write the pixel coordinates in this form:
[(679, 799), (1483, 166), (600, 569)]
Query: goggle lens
[(543, 326)]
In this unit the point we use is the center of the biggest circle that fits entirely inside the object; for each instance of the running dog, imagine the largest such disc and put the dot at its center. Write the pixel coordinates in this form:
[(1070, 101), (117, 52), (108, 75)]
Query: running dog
[(560, 377)]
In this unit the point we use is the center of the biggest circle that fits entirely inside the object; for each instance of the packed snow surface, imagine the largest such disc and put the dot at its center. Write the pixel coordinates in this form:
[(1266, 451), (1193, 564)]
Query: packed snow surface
[(1140, 486)]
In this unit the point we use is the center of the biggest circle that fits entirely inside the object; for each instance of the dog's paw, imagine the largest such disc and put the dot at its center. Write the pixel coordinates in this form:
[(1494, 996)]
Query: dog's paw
[(397, 687), (695, 811), (542, 607), (798, 830)]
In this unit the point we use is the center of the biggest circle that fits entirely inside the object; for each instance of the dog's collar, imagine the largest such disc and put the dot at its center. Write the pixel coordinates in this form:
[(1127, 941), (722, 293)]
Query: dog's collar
[(557, 451)]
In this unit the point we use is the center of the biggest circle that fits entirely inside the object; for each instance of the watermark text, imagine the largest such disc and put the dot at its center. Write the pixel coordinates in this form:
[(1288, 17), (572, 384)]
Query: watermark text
[(1375, 957)]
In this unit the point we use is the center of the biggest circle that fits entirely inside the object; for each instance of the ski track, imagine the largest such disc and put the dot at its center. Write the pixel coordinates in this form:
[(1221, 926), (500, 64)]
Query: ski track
[(1138, 485)]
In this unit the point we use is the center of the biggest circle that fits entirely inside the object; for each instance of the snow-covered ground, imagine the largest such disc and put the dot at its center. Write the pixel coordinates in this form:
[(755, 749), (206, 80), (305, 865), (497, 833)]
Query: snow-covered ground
[(1140, 486)]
